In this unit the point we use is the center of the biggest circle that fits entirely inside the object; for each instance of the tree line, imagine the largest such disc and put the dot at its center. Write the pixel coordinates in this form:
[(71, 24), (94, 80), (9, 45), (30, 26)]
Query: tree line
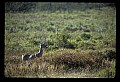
[(52, 6)]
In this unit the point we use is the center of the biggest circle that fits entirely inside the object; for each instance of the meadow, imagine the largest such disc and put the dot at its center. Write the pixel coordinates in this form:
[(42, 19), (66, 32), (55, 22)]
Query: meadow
[(81, 44)]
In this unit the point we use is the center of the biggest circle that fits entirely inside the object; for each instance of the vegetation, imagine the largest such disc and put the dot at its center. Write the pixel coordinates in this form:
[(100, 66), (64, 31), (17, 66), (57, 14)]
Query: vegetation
[(82, 42)]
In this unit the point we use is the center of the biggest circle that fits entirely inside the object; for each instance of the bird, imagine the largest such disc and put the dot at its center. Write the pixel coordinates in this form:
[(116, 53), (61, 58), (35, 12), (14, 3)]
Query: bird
[(42, 47), (26, 57)]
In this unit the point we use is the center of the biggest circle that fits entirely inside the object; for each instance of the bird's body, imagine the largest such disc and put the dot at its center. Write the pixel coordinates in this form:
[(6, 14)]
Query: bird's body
[(26, 57), (32, 56)]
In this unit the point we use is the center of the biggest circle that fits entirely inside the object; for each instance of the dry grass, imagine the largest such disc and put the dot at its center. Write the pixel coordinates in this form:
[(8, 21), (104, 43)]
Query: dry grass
[(68, 64)]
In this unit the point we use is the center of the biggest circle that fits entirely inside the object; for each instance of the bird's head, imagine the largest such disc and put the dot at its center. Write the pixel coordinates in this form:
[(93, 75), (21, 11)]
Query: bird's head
[(43, 45)]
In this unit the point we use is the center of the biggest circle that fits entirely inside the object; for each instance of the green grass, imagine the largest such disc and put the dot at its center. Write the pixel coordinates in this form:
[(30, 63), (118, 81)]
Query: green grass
[(108, 72), (86, 43)]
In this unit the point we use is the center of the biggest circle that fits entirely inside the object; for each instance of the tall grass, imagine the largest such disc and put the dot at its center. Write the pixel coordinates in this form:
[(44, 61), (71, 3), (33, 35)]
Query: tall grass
[(69, 61)]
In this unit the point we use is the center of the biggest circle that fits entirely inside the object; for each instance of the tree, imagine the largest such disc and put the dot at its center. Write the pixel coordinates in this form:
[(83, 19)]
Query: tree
[(19, 6)]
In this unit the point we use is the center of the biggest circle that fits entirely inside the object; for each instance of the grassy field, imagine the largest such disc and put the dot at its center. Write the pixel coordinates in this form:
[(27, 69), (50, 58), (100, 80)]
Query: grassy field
[(85, 40)]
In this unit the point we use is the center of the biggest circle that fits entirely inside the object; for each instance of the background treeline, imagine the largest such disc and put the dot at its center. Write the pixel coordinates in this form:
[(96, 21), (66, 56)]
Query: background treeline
[(52, 6)]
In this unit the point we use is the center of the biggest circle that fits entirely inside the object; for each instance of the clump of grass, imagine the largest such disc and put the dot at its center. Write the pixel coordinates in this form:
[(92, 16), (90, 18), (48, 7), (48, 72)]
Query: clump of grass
[(107, 73), (109, 53), (75, 60)]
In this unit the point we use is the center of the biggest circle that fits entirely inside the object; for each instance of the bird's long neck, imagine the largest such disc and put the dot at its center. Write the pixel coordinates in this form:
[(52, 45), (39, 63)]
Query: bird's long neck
[(40, 52)]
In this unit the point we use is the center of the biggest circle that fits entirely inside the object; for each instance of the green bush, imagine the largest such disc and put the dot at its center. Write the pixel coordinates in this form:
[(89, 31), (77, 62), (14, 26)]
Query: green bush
[(86, 44), (110, 54), (51, 29), (49, 41), (85, 36), (62, 39)]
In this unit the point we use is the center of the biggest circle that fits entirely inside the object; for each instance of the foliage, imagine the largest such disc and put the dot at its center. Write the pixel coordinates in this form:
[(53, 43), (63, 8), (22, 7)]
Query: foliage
[(19, 6), (85, 36), (107, 73), (52, 6)]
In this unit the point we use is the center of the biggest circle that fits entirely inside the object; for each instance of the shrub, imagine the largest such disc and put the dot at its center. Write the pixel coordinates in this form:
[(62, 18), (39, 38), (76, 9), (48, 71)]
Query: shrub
[(51, 29), (109, 54), (85, 36), (61, 39), (49, 41)]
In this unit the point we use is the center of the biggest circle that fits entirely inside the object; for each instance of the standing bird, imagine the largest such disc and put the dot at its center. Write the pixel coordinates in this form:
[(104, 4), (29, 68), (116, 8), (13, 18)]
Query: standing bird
[(26, 57), (42, 46)]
